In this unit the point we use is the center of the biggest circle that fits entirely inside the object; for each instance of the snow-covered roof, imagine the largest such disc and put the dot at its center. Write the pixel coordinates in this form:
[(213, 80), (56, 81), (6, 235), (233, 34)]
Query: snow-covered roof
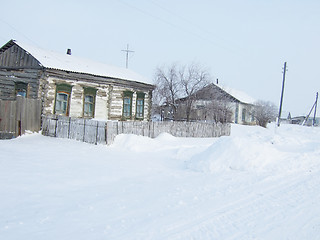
[(241, 96), (55, 60)]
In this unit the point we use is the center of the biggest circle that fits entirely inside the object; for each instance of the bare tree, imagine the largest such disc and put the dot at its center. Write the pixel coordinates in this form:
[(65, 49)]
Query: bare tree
[(264, 112), (179, 83), (220, 111), (192, 79), (168, 86)]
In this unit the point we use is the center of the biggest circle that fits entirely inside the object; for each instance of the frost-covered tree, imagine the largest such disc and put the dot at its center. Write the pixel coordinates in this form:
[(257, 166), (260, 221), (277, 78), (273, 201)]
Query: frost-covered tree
[(264, 112)]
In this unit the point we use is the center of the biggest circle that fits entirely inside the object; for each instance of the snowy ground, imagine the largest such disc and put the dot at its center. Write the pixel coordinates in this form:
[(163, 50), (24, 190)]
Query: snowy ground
[(256, 184)]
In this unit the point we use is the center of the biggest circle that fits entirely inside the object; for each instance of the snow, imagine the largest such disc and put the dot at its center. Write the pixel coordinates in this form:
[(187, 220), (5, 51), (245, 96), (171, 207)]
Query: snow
[(241, 96), (55, 60), (255, 184)]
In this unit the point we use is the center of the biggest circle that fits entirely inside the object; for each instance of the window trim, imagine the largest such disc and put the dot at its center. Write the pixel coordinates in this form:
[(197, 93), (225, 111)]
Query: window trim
[(68, 96), (129, 95), (236, 114), (89, 91), (140, 96), (63, 89), (21, 86), (244, 113)]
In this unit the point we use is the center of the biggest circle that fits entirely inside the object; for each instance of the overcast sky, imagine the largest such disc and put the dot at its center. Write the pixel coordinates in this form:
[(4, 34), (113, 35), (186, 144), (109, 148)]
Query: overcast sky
[(243, 43)]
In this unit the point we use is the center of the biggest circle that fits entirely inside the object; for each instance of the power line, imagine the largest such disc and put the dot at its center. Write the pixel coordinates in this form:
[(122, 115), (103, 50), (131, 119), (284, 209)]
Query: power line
[(197, 35), (185, 20), (19, 32), (172, 24)]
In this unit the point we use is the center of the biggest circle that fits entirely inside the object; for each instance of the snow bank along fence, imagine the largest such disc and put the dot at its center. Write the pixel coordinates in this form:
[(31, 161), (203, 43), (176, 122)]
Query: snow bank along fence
[(18, 116), (92, 131)]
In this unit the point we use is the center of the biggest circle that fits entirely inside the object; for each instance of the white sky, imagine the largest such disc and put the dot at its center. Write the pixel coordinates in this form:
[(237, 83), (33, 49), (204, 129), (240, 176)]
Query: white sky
[(243, 43)]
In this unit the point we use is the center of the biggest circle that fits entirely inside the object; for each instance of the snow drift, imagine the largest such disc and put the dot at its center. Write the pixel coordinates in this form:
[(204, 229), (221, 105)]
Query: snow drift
[(261, 150), (255, 184)]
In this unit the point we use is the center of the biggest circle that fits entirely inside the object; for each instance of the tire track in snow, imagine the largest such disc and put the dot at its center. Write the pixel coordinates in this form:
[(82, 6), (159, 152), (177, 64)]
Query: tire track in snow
[(276, 192)]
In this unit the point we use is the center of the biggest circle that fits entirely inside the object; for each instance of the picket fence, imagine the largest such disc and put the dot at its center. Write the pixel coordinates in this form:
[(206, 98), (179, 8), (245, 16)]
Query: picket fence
[(104, 132)]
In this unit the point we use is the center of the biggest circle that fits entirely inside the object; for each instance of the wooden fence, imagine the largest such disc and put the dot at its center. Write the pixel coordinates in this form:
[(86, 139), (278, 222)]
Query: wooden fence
[(93, 131), (18, 116)]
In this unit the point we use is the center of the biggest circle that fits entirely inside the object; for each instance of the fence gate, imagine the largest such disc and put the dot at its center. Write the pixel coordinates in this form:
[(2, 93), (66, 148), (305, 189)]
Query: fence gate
[(18, 116)]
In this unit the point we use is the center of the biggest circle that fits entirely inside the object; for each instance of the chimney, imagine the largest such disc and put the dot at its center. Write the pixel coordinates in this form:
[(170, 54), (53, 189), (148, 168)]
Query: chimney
[(217, 81), (69, 51)]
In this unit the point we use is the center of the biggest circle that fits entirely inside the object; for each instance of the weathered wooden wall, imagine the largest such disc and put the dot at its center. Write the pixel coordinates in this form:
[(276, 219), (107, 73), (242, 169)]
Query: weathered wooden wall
[(93, 131), (17, 65), (8, 78), (20, 115), (16, 57)]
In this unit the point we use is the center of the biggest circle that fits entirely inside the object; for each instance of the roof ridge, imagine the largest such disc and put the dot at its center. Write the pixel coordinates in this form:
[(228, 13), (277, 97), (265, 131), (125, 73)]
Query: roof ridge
[(56, 60)]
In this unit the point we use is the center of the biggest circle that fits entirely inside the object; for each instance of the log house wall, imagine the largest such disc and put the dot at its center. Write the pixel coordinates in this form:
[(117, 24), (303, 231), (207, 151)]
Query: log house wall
[(108, 102), (17, 65)]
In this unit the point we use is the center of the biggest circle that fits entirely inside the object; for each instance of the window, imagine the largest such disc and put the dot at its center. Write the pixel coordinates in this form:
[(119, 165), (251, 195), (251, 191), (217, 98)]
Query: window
[(62, 103), (63, 92), (21, 89), (252, 116), (89, 102), (236, 113), (140, 105), (88, 106), (127, 104), (244, 115)]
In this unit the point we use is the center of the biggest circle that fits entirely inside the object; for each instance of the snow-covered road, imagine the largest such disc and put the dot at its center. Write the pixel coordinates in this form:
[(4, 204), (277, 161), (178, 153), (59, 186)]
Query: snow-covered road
[(256, 184)]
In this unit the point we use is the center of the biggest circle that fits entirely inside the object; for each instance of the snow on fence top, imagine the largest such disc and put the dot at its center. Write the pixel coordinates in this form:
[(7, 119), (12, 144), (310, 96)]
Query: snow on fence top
[(55, 60)]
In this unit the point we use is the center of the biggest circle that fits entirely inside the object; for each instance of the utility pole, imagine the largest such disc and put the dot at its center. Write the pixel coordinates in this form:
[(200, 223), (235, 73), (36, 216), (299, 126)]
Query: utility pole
[(127, 54), (315, 110), (282, 91)]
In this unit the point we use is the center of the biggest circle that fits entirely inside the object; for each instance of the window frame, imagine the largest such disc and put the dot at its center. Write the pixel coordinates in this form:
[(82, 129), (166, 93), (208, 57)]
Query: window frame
[(59, 102), (127, 114), (244, 113), (236, 114), (63, 89), (89, 92), (140, 107), (21, 87)]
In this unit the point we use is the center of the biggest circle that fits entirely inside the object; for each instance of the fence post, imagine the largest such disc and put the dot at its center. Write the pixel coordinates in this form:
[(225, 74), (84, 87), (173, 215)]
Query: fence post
[(84, 129), (55, 127), (69, 128), (106, 132), (19, 127), (97, 133)]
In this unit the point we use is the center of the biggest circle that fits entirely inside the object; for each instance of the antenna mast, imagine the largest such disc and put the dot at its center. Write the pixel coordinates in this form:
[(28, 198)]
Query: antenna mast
[(127, 54)]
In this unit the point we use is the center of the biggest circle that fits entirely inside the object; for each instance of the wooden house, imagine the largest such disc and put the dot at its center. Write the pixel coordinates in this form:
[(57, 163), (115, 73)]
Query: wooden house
[(72, 86), (215, 103)]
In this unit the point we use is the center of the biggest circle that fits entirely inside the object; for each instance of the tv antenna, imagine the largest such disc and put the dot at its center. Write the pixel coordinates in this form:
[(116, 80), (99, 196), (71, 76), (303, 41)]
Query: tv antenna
[(127, 54)]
